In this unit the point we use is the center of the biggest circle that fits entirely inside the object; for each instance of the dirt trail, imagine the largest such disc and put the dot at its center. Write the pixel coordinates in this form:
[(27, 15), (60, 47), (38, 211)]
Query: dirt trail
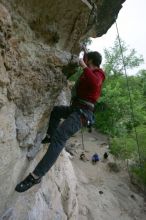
[(102, 194)]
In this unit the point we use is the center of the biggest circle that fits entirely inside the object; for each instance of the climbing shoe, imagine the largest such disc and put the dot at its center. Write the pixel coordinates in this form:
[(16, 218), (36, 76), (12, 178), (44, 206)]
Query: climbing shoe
[(46, 140), (27, 183)]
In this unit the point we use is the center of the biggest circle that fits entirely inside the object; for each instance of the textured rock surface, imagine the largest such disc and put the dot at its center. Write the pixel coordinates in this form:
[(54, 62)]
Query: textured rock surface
[(37, 39)]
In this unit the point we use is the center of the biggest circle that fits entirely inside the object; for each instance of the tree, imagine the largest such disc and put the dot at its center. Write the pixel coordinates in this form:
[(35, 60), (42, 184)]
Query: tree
[(114, 113), (113, 59), (115, 119)]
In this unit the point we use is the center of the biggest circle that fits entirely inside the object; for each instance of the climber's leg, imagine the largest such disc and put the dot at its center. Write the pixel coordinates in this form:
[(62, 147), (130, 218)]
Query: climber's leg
[(70, 126), (58, 113)]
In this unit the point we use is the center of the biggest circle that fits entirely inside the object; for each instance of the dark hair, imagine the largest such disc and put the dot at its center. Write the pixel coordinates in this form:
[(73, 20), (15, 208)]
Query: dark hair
[(95, 58)]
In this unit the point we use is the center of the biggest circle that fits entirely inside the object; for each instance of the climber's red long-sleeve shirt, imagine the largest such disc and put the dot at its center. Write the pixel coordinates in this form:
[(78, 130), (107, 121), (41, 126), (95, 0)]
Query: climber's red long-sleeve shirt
[(90, 85)]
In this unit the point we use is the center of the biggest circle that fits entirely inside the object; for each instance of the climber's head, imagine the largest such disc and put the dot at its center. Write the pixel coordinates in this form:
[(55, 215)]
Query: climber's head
[(94, 59)]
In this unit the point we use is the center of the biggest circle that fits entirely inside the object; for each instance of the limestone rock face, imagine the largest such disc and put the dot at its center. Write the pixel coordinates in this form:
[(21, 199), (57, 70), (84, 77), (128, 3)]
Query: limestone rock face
[(37, 40)]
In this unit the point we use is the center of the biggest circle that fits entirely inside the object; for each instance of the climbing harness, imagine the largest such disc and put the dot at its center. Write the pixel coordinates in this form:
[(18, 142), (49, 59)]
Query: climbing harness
[(129, 92), (84, 102)]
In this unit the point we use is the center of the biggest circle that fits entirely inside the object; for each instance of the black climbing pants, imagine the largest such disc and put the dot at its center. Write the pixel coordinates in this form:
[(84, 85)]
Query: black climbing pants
[(60, 133)]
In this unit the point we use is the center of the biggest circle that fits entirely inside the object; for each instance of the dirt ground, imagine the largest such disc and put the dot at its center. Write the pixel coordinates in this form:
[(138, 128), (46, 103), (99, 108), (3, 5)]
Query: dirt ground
[(102, 193)]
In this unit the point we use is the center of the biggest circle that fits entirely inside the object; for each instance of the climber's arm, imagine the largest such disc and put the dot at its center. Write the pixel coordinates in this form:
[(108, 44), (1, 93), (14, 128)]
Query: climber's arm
[(82, 63), (87, 72), (83, 57), (83, 54)]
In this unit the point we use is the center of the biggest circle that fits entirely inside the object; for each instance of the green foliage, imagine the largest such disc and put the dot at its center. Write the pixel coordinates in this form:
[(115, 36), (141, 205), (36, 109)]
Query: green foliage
[(114, 114), (123, 148), (115, 117), (113, 59), (140, 172)]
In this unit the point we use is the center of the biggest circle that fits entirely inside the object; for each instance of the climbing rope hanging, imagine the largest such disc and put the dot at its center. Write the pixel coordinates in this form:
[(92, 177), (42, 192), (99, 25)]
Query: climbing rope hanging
[(82, 134), (129, 92)]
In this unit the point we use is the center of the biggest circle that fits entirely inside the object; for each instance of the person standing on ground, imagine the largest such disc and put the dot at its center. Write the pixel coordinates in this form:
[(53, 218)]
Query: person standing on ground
[(105, 156), (85, 94), (95, 158)]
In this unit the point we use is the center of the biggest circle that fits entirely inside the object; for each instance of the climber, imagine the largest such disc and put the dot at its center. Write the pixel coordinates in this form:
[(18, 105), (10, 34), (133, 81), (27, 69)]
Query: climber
[(95, 158), (86, 92)]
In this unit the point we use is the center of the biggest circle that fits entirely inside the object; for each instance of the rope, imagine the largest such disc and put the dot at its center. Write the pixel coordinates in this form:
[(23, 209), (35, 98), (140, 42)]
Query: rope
[(83, 145), (129, 93)]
